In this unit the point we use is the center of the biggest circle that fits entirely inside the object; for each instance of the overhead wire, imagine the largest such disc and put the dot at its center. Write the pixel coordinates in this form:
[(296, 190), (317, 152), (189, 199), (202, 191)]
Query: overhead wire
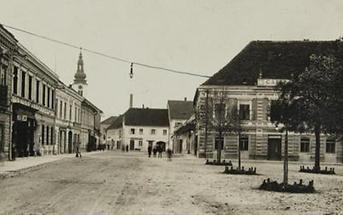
[(160, 68)]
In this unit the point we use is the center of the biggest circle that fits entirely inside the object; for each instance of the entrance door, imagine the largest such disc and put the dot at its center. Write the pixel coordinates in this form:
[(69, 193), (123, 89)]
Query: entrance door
[(132, 144), (274, 148)]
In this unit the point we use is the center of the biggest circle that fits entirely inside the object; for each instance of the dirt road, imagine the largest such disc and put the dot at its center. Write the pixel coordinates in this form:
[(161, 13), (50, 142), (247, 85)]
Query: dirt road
[(119, 183)]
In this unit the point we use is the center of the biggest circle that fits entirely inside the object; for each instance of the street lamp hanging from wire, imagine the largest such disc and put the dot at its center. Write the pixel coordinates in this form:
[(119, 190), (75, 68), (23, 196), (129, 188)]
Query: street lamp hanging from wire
[(131, 71)]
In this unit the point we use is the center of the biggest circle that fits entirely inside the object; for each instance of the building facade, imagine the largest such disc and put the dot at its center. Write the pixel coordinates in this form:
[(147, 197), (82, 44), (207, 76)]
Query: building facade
[(90, 126), (33, 105), (8, 47), (247, 83), (140, 128), (68, 118), (178, 113)]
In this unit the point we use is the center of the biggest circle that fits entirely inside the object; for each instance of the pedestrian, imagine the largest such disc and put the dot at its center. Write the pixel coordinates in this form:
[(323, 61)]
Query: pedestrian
[(127, 148), (149, 150), (169, 154), (160, 151), (154, 151), (77, 149)]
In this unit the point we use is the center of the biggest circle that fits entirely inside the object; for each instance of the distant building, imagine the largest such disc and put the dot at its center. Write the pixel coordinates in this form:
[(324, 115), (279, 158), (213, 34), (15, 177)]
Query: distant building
[(248, 82), (140, 127), (184, 137), (103, 127), (114, 133), (178, 113)]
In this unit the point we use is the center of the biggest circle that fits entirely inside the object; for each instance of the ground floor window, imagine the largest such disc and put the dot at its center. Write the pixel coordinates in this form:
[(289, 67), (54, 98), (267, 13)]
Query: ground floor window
[(330, 145), (244, 143), (2, 137), (140, 143), (304, 144)]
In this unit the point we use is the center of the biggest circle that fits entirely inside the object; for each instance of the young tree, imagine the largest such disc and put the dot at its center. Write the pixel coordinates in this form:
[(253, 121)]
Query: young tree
[(225, 120), (308, 100)]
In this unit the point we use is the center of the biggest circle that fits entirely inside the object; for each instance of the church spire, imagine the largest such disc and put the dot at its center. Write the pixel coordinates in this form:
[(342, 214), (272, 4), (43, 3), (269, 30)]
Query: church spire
[(80, 75)]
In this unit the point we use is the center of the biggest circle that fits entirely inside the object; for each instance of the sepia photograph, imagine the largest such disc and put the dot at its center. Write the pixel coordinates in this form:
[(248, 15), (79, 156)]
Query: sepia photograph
[(171, 107)]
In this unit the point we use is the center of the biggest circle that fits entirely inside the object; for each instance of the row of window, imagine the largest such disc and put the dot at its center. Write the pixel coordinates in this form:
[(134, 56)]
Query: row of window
[(304, 144), (152, 131), (244, 111), (61, 111), (43, 94), (243, 143), (47, 135)]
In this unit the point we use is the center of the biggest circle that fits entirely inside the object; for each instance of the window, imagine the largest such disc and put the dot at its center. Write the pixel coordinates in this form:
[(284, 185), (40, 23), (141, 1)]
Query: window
[(48, 89), (52, 99), (43, 97), (178, 124), (305, 144), (244, 112), (15, 80), (153, 131), (219, 111), (141, 131), (37, 91), (52, 136), (70, 110), (75, 116), (43, 133), (244, 143), (132, 131), (47, 135), (30, 87), (164, 131), (61, 106), (23, 84), (330, 145), (3, 80), (140, 143), (65, 111), (219, 142)]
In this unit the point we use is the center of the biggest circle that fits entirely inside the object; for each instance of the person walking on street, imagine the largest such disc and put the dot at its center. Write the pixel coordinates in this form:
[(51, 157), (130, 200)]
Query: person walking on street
[(169, 154), (154, 151), (160, 151), (127, 148), (77, 149), (149, 150)]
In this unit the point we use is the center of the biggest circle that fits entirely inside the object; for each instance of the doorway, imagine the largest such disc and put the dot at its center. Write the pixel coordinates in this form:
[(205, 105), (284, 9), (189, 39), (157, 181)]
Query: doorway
[(274, 147)]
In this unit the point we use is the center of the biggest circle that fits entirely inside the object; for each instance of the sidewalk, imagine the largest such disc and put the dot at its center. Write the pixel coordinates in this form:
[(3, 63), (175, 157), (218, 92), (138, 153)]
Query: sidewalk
[(21, 165)]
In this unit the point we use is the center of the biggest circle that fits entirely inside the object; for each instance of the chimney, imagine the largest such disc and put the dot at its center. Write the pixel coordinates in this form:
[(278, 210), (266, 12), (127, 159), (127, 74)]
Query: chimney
[(185, 99), (131, 100)]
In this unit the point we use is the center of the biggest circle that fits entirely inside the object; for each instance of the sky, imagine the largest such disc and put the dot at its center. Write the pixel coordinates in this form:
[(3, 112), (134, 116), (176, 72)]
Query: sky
[(197, 36)]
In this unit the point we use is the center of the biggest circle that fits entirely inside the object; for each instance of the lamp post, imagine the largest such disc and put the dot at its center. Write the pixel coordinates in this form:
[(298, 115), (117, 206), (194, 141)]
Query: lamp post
[(285, 156)]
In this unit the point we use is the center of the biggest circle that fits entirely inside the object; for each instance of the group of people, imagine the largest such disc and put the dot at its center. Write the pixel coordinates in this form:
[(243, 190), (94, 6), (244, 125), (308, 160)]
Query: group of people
[(158, 149)]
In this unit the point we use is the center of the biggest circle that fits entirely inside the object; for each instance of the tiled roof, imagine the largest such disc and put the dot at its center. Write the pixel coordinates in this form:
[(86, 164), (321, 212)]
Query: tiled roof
[(117, 123), (146, 117), (109, 120), (180, 109), (274, 60)]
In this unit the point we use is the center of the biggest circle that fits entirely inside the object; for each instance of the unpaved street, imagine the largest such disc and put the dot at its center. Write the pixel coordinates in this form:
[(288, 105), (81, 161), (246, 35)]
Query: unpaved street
[(120, 183)]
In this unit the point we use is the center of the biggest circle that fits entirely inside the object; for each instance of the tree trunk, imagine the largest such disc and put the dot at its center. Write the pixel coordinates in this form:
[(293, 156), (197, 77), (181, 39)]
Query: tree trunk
[(219, 148), (239, 152), (317, 152), (285, 161)]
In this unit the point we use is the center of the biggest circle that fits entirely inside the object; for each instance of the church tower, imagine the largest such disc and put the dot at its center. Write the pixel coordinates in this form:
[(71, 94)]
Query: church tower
[(80, 82)]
